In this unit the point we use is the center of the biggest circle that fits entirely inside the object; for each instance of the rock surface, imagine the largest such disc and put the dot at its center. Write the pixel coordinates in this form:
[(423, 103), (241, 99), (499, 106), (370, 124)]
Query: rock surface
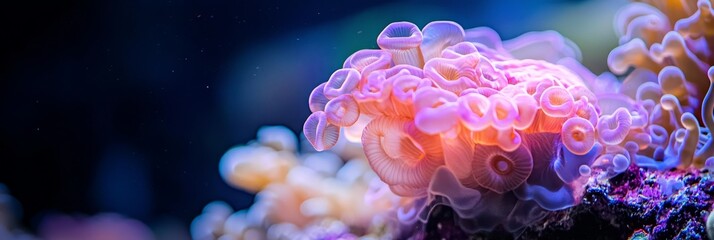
[(637, 204)]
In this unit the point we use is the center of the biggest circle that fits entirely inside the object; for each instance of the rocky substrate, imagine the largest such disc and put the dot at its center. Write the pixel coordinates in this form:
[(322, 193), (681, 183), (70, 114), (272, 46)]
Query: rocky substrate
[(637, 204)]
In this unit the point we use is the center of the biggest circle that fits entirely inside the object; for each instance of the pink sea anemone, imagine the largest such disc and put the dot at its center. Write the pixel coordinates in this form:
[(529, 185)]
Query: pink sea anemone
[(442, 106)]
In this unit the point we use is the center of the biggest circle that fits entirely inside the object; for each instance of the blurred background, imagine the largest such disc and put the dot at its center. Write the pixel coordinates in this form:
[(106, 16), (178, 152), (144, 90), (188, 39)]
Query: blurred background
[(127, 106)]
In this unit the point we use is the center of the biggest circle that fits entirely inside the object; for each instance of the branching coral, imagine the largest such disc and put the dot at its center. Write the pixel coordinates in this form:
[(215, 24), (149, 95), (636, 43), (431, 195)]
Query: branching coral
[(444, 103), (670, 46)]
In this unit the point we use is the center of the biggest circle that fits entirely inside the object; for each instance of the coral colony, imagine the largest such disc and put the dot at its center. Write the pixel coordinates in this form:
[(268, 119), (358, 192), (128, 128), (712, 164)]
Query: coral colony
[(442, 115), (327, 195), (505, 134)]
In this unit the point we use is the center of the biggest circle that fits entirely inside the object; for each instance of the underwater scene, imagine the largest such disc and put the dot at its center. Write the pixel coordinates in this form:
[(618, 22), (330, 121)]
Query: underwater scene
[(227, 120)]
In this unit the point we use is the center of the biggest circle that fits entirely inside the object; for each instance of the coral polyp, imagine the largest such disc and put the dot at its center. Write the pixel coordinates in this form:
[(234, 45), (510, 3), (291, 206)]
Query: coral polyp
[(514, 132)]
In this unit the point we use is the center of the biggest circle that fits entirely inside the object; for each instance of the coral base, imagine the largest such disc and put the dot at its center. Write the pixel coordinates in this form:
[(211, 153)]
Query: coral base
[(637, 204)]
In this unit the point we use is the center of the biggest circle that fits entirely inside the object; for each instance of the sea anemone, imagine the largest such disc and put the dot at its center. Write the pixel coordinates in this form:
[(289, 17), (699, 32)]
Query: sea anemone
[(666, 52), (448, 113)]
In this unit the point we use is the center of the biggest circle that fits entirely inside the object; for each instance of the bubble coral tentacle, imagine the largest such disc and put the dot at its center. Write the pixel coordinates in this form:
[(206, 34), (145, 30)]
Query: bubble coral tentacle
[(612, 129), (671, 104), (707, 149), (691, 138), (641, 21), (640, 117), (402, 40), (578, 135), (319, 132), (318, 100), (502, 112), (473, 111), (396, 153), (459, 50), (402, 70), (698, 24), (458, 152), (632, 53), (556, 102), (585, 110), (436, 110), (455, 74), (439, 35), (527, 108), (341, 82), (641, 139), (672, 81), (501, 171), (508, 139), (367, 61), (342, 111), (673, 46), (373, 97), (403, 90), (659, 134)]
